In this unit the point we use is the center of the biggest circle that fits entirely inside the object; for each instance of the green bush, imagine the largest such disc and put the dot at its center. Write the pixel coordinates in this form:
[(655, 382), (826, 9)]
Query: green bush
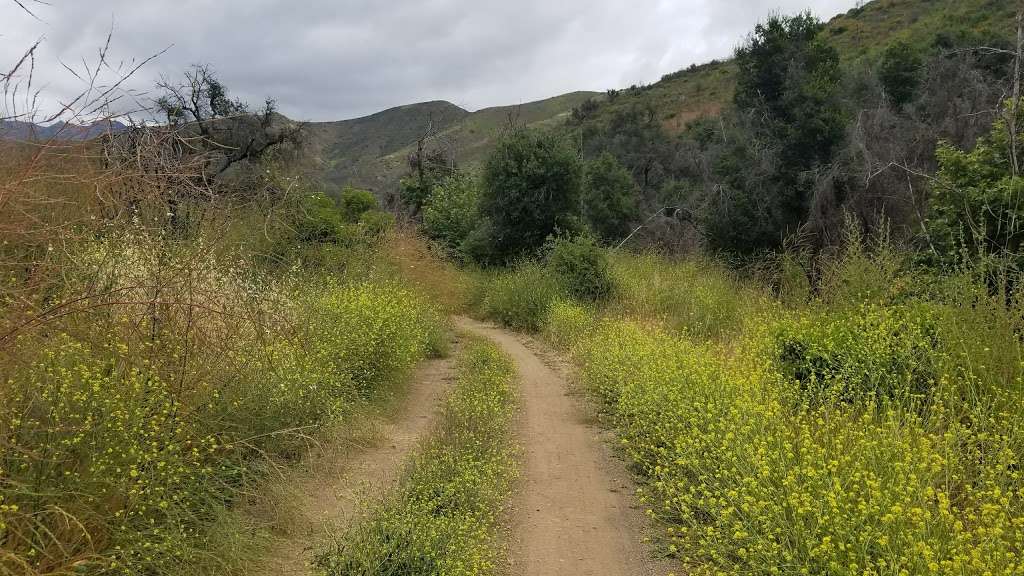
[(976, 209), (609, 198), (319, 221), (581, 268), (521, 298), (531, 190), (354, 202), (452, 212), (444, 518), (871, 353), (900, 72), (374, 224)]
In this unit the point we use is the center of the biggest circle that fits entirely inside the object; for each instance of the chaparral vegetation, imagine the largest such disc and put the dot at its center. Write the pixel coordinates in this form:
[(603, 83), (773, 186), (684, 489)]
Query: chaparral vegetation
[(790, 284)]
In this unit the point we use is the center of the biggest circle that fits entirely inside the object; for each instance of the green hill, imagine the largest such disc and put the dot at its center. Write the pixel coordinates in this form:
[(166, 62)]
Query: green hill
[(861, 33), (372, 152), (357, 151)]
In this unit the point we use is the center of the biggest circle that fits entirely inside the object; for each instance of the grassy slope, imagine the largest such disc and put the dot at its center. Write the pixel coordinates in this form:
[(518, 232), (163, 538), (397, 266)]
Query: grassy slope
[(860, 33), (372, 152), (352, 151), (473, 136)]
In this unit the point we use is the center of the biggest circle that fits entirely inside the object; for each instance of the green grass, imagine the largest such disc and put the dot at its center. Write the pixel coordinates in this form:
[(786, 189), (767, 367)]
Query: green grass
[(443, 520), (519, 298)]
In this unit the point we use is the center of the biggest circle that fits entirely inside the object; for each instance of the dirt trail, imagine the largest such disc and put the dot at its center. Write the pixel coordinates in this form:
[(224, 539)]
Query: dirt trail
[(318, 499), (575, 508)]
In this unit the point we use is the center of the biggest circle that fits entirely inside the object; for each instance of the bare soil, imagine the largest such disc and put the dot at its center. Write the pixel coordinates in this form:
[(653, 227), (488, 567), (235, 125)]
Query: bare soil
[(575, 512)]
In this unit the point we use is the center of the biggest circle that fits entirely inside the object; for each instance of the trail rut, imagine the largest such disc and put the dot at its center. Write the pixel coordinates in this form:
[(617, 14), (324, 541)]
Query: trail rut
[(321, 497), (575, 507)]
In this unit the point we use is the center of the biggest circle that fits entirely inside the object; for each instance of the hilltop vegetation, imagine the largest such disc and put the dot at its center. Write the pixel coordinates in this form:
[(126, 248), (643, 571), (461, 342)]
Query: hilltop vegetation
[(860, 36)]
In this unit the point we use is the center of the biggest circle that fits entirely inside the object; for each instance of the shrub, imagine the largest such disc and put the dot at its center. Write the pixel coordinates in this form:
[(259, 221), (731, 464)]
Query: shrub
[(900, 73), (452, 212), (581, 268), (521, 297), (319, 221), (375, 224), (976, 205), (353, 203), (609, 198), (531, 189), (871, 353)]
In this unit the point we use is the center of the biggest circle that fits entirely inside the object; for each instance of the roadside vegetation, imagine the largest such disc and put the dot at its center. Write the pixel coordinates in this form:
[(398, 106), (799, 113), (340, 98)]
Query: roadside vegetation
[(172, 330), (871, 427), (812, 392), (445, 517), (800, 309)]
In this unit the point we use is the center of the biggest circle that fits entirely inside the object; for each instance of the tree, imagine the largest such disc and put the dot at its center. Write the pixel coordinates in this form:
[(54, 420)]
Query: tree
[(790, 77), (900, 74), (531, 189), (609, 198), (978, 201), (452, 212), (229, 132), (787, 91), (428, 166), (636, 138)]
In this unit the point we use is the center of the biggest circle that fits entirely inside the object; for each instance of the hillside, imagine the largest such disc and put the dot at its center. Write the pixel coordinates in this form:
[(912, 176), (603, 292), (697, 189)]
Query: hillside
[(353, 151), (861, 33), (372, 152), (27, 131)]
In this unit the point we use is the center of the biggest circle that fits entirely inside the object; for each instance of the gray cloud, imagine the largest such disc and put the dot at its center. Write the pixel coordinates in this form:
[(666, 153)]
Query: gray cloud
[(326, 60)]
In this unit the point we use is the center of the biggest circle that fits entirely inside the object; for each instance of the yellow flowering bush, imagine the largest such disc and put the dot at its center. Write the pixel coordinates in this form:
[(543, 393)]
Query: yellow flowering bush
[(120, 446), (568, 322), (443, 519), (873, 437)]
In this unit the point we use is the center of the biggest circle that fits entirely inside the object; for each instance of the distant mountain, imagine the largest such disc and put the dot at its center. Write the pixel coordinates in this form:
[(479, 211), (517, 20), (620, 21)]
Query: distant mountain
[(59, 131), (373, 152), (356, 152)]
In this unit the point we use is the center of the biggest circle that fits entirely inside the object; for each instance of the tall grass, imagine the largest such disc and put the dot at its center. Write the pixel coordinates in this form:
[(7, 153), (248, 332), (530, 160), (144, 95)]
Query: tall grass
[(520, 298), (156, 363), (873, 429)]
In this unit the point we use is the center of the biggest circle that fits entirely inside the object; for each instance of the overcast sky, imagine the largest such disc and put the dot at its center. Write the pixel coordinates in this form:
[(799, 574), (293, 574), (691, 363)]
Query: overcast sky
[(335, 59)]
